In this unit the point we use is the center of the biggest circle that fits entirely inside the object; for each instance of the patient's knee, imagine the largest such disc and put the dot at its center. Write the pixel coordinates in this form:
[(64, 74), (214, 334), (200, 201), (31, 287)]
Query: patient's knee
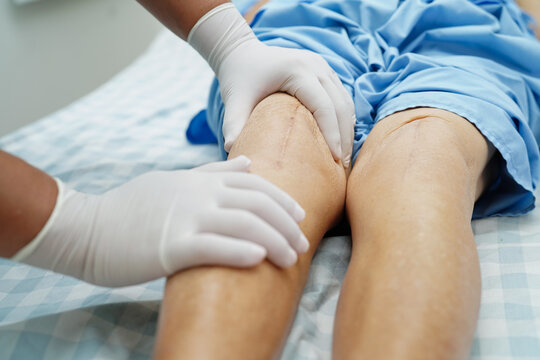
[(284, 129), (286, 146), (282, 134), (429, 147), (425, 137)]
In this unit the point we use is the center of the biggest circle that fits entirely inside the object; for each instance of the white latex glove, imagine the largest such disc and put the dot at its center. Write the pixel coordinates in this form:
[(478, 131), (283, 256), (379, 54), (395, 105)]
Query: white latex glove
[(248, 71), (162, 222)]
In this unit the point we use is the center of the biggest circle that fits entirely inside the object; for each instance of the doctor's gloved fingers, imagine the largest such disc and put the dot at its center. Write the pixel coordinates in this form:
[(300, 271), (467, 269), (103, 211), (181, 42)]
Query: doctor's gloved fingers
[(268, 210), (316, 99), (257, 183), (237, 111), (244, 225), (345, 112), (213, 249), (240, 163)]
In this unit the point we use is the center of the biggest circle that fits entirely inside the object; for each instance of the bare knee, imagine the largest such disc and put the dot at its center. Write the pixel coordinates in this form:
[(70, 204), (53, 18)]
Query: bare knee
[(284, 129), (283, 140), (427, 150)]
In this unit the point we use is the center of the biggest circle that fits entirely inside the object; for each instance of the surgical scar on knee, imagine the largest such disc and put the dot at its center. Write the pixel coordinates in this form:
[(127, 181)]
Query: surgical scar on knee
[(289, 123)]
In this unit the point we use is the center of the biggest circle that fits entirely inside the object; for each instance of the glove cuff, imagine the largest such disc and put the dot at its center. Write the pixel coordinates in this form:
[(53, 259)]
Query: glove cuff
[(218, 33), (26, 251)]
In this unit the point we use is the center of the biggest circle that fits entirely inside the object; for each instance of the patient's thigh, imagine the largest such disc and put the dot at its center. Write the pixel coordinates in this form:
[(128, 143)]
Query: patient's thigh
[(227, 313)]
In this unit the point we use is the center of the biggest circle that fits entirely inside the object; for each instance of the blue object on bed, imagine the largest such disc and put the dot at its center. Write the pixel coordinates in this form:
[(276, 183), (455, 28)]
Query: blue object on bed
[(198, 131)]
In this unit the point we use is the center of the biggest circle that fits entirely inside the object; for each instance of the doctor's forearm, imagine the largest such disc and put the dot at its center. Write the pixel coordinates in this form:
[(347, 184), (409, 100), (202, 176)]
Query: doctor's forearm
[(27, 198), (180, 15)]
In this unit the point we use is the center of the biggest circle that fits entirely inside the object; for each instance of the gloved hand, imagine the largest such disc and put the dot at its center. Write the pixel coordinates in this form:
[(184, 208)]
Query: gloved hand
[(162, 222), (249, 70)]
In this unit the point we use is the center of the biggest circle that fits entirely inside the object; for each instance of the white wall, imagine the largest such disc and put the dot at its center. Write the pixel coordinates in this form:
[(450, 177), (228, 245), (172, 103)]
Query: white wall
[(55, 51)]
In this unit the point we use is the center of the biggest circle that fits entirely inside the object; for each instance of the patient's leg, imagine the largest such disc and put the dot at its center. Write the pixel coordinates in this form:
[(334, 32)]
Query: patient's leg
[(412, 290), (226, 313), (533, 8)]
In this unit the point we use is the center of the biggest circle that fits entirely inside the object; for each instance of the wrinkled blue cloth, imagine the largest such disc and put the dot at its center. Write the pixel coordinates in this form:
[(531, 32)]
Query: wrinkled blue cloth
[(476, 58)]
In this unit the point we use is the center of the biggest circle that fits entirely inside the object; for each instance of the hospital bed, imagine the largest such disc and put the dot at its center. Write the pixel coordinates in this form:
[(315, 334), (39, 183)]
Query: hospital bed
[(136, 123)]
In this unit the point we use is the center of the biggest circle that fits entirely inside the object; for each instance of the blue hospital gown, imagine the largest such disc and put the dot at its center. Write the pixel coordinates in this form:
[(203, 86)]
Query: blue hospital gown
[(476, 58)]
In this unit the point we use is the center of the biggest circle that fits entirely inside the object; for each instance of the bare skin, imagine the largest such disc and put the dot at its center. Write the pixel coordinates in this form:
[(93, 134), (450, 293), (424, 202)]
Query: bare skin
[(533, 8), (414, 275), (27, 199), (180, 16), (254, 9)]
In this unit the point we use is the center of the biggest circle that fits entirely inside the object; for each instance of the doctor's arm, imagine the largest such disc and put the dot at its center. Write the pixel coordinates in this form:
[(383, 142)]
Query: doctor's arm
[(27, 199), (180, 15), (152, 226)]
